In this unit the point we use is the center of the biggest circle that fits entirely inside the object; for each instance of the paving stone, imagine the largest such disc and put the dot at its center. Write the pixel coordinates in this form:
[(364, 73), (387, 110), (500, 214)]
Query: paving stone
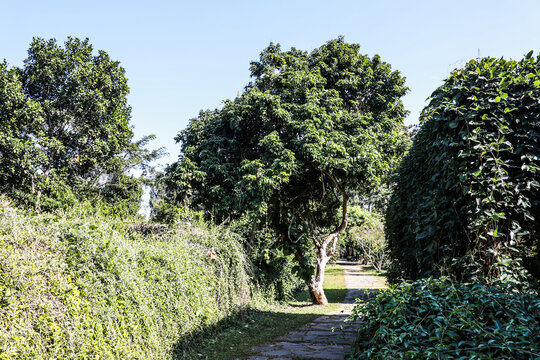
[(264, 348), (278, 352), (291, 338)]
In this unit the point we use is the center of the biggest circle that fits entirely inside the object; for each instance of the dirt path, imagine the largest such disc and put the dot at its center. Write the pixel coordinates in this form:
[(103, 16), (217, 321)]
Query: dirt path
[(318, 340)]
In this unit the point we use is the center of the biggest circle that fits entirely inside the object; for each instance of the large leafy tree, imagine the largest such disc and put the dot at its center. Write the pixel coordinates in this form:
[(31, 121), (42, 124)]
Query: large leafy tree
[(309, 130), (65, 122)]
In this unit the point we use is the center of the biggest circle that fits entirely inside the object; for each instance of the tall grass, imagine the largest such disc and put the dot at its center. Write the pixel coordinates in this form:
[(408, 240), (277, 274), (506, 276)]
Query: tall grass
[(75, 285)]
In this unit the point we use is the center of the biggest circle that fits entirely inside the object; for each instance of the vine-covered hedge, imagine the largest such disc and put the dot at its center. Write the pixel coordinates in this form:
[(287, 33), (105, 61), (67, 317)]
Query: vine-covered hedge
[(79, 286), (467, 195), (443, 319)]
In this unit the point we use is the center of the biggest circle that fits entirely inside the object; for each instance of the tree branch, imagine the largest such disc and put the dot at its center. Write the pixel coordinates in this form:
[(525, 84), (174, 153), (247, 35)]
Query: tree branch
[(312, 230), (341, 227)]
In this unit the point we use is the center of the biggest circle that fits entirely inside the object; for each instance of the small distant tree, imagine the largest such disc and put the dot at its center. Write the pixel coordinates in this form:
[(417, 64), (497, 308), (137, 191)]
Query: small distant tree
[(65, 123), (365, 236), (310, 129)]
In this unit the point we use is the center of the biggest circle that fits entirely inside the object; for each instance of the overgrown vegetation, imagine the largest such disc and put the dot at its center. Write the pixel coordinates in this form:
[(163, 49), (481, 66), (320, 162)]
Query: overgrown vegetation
[(466, 203), (277, 167), (467, 196), (77, 285), (444, 319)]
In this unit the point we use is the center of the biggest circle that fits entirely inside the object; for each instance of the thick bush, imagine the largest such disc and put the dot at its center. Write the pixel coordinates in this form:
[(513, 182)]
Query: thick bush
[(273, 274), (442, 319), (467, 196), (75, 286)]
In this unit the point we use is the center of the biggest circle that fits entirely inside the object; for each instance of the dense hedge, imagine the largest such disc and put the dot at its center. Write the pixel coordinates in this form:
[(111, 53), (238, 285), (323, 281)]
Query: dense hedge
[(467, 195), (442, 319), (77, 286)]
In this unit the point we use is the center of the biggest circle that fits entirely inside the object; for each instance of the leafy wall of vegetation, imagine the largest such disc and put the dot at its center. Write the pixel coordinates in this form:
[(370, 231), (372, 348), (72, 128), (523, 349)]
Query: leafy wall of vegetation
[(76, 286), (467, 198)]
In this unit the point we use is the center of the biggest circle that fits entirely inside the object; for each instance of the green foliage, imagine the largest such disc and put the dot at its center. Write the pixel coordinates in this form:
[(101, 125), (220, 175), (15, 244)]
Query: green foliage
[(273, 274), (65, 120), (124, 193), (365, 236), (307, 131), (167, 213), (467, 195), (17, 150), (302, 116), (76, 285), (442, 319)]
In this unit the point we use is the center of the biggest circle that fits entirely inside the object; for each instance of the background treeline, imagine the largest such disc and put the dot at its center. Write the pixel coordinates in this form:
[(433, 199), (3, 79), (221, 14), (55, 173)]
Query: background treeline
[(65, 133)]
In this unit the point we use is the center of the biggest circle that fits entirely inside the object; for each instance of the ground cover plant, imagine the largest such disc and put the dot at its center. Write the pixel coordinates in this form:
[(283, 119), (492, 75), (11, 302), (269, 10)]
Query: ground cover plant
[(443, 319), (467, 196), (79, 285)]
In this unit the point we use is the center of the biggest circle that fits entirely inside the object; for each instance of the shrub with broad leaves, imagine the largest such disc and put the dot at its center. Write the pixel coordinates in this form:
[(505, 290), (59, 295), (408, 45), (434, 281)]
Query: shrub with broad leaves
[(444, 319)]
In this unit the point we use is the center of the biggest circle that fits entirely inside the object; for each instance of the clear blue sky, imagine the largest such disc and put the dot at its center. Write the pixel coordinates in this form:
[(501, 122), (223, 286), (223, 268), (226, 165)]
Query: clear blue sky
[(184, 56)]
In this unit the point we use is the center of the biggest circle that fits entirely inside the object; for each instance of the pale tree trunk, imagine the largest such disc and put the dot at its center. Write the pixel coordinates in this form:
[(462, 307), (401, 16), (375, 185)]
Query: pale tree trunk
[(324, 253), (316, 285), (325, 250)]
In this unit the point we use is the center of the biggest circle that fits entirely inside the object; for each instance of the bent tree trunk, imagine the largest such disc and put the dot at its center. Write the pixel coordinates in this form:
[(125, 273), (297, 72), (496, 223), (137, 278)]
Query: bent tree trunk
[(316, 285), (325, 251)]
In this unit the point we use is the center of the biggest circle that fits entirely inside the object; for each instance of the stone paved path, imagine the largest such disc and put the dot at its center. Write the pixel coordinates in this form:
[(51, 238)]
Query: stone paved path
[(318, 340)]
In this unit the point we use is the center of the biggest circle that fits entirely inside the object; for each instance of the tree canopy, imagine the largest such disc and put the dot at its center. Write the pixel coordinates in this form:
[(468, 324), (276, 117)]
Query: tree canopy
[(65, 122), (310, 129)]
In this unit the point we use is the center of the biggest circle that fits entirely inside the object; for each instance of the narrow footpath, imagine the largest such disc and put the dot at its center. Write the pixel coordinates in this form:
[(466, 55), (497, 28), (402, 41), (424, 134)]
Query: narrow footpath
[(327, 337)]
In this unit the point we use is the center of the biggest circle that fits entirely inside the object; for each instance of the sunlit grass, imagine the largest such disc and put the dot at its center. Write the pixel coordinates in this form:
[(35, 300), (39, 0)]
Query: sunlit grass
[(262, 325)]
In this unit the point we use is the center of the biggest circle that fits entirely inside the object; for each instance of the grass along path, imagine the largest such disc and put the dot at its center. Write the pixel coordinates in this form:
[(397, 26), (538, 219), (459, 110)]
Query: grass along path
[(260, 325)]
